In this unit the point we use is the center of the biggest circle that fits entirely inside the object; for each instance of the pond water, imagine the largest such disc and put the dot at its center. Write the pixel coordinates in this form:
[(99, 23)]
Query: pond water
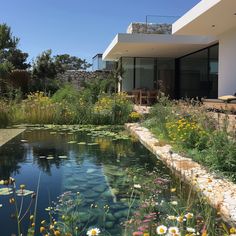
[(93, 164)]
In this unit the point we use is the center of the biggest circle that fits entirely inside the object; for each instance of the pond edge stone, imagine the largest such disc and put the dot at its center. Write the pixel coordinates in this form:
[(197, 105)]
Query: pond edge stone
[(219, 193)]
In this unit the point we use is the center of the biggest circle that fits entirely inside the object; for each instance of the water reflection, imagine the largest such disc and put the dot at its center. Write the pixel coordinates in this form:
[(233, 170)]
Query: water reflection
[(97, 167)]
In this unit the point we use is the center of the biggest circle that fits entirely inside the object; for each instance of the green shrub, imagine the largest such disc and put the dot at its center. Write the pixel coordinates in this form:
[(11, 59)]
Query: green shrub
[(186, 132), (112, 109), (221, 153), (5, 114), (67, 93)]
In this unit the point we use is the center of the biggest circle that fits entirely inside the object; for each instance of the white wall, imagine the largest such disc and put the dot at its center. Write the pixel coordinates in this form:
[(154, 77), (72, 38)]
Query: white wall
[(227, 63)]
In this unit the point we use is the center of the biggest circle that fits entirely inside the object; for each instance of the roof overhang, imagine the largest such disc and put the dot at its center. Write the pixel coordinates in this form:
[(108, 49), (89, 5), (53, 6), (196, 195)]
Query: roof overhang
[(208, 17), (154, 45)]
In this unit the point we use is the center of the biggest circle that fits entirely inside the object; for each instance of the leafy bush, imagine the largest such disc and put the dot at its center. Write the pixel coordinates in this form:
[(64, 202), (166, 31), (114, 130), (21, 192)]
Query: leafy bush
[(5, 115), (67, 93), (186, 132), (134, 116), (193, 131), (221, 153), (112, 109)]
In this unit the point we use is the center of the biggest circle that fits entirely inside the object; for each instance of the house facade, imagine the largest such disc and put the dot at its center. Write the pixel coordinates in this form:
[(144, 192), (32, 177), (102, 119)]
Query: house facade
[(193, 57)]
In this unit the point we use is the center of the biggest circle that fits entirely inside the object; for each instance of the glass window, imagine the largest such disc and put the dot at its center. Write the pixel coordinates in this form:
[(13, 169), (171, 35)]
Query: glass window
[(193, 80), (144, 73), (165, 81), (213, 71), (198, 74), (127, 74)]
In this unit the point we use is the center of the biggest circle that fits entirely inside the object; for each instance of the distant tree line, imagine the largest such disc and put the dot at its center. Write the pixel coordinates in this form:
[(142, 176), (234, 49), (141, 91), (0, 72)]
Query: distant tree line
[(16, 73)]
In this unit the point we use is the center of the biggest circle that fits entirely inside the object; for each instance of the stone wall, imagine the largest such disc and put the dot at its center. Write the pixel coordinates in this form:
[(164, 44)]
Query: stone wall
[(150, 28), (77, 77)]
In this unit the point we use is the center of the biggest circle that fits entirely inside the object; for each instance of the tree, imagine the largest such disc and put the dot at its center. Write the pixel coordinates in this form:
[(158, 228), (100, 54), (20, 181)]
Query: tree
[(66, 62), (6, 39), (46, 69), (10, 56)]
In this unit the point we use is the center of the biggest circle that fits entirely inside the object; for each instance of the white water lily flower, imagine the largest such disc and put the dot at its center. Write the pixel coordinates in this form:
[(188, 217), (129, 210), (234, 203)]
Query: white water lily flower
[(161, 229), (93, 232), (191, 230), (137, 186), (173, 230)]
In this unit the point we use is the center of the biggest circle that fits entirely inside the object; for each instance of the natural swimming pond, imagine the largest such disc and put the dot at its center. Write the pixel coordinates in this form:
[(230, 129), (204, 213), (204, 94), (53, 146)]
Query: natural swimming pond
[(84, 174)]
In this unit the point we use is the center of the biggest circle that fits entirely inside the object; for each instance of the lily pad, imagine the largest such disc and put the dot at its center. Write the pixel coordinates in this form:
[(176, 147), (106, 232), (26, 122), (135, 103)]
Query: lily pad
[(24, 193), (72, 142), (92, 144), (5, 191), (62, 157), (24, 140), (82, 143)]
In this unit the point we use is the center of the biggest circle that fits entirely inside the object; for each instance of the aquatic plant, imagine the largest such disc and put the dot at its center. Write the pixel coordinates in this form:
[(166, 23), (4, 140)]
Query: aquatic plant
[(19, 214), (176, 215)]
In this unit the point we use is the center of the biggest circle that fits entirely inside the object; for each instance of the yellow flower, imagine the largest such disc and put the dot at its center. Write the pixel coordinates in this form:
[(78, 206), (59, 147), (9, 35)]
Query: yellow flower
[(232, 230)]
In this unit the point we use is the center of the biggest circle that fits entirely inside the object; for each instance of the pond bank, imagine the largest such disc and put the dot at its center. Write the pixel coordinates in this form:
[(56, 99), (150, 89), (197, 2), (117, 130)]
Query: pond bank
[(220, 193), (8, 134)]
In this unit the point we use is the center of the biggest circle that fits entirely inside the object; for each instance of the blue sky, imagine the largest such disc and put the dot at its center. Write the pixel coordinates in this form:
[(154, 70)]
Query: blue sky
[(80, 28)]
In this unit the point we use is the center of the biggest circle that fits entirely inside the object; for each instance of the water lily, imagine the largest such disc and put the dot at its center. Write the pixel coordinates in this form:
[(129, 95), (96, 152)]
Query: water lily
[(162, 229), (93, 232)]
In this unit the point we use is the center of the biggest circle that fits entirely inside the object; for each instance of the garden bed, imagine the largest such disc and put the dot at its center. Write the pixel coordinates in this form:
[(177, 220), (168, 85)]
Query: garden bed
[(220, 193)]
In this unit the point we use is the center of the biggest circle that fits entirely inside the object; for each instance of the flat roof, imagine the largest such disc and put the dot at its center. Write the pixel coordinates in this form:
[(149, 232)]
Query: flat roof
[(208, 17), (155, 45)]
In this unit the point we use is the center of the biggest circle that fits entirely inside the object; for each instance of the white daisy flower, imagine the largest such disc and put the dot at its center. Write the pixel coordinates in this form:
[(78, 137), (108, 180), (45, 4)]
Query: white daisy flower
[(161, 229), (191, 230), (189, 215), (171, 217), (93, 232), (137, 186), (173, 230), (174, 203)]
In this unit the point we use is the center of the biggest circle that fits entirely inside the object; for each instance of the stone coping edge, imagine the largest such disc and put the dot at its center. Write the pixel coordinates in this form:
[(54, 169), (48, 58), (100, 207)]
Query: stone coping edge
[(8, 134), (220, 193)]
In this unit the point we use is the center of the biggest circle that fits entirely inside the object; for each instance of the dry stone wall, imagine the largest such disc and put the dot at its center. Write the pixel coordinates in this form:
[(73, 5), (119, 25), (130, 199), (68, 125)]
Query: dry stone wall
[(143, 28), (77, 77)]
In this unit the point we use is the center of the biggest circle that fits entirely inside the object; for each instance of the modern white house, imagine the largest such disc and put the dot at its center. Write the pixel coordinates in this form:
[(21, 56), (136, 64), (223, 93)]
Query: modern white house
[(196, 59)]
